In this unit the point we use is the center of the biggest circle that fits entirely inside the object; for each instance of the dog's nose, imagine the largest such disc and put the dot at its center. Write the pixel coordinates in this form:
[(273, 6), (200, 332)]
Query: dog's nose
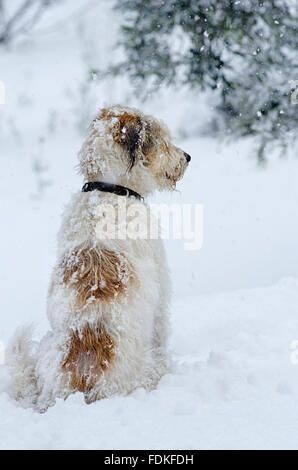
[(188, 157)]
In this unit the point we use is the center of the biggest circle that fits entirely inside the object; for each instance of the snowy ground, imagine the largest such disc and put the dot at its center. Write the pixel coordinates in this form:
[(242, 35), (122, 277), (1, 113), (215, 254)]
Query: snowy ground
[(234, 384)]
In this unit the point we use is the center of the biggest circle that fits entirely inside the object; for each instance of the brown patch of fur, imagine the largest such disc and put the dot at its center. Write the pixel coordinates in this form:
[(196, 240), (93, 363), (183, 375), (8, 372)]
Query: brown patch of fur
[(127, 132), (96, 275), (90, 352)]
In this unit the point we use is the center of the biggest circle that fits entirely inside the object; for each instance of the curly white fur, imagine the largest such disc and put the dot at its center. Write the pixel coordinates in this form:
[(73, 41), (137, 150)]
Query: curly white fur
[(125, 147)]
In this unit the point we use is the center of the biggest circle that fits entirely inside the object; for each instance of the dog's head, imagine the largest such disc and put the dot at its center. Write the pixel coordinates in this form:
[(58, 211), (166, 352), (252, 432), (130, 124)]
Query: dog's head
[(127, 147)]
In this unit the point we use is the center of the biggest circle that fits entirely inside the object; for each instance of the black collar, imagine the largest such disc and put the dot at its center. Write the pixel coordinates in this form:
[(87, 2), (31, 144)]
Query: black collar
[(110, 188)]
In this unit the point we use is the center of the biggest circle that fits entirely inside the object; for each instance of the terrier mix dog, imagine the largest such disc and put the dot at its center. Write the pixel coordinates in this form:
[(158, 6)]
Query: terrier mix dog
[(109, 297)]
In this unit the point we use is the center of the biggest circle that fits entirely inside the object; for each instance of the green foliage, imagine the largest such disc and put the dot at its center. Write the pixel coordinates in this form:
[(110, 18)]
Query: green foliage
[(244, 49)]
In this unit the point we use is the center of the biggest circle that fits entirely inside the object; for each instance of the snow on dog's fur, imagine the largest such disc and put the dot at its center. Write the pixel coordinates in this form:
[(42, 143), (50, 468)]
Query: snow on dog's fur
[(108, 300)]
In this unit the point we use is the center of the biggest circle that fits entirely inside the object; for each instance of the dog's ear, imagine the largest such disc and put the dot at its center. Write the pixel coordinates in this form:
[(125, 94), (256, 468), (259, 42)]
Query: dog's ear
[(128, 131)]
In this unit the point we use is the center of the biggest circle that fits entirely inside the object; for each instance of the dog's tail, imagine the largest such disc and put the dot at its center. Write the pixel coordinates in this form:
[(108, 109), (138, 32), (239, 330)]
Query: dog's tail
[(21, 360)]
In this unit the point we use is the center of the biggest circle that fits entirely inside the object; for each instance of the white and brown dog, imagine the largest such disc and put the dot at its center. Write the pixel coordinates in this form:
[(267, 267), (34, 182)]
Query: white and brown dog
[(108, 300)]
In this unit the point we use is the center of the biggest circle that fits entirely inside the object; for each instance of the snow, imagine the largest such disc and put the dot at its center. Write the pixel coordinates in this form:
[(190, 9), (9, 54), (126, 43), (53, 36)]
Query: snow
[(233, 386), (234, 383)]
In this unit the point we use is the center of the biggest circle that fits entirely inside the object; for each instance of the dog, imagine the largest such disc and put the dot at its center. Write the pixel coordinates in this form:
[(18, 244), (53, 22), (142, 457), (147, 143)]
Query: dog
[(108, 302)]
